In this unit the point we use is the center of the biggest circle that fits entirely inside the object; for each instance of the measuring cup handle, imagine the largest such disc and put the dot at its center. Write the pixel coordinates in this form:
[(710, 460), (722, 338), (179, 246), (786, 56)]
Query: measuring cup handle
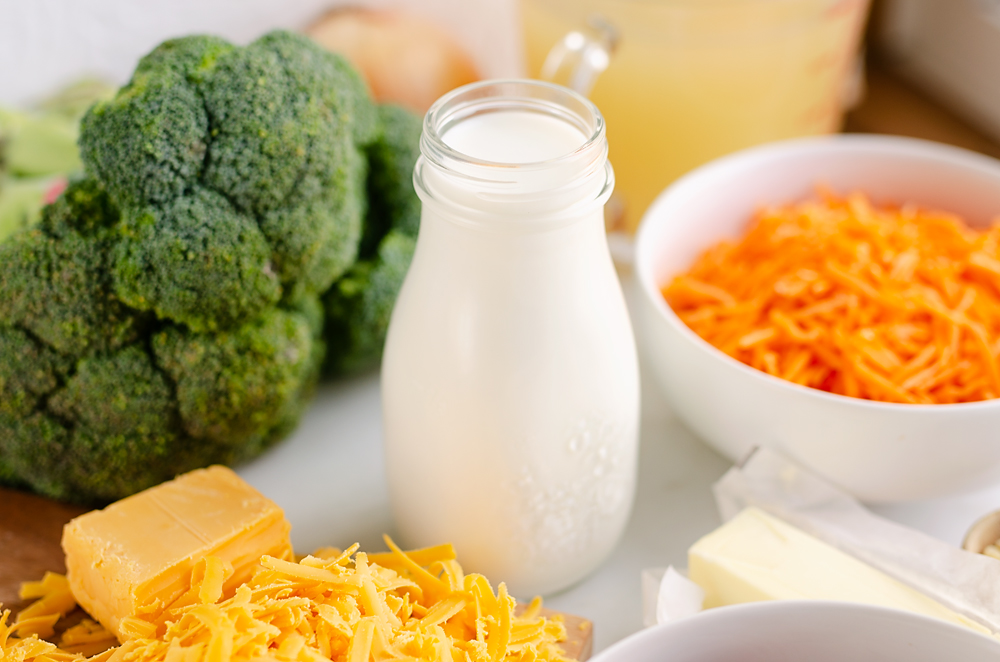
[(582, 55)]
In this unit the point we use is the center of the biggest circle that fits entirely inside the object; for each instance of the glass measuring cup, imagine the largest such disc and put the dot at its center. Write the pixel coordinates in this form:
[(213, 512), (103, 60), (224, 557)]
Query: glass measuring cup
[(681, 82)]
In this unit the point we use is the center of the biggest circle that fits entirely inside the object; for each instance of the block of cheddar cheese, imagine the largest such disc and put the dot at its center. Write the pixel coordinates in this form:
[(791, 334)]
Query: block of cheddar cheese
[(756, 556), (135, 558)]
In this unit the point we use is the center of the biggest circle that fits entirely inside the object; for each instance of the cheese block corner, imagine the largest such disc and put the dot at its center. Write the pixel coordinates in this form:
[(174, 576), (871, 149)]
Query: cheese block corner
[(135, 557)]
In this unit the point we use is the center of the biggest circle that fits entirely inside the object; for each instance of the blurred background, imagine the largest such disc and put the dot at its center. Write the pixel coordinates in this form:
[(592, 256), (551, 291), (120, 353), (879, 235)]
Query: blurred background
[(679, 81)]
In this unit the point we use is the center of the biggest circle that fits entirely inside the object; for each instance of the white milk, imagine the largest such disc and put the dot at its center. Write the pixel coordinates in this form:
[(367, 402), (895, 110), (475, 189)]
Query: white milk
[(510, 382), (514, 136)]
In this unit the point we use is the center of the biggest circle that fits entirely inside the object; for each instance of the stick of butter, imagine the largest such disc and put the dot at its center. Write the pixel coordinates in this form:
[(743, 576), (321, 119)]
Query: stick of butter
[(756, 557), (135, 557)]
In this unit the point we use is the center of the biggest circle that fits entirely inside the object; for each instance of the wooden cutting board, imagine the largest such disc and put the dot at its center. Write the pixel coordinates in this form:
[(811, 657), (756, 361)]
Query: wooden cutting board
[(31, 530)]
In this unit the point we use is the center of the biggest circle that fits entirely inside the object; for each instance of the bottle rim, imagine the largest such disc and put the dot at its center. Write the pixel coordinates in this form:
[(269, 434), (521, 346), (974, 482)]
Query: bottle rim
[(510, 94), (582, 175)]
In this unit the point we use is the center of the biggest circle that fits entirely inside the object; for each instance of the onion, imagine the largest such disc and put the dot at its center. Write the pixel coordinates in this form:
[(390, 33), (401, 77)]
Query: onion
[(404, 59)]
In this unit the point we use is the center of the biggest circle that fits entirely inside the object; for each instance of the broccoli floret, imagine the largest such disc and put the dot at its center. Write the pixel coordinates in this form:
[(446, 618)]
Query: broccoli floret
[(56, 281), (192, 57), (165, 312), (124, 425), (308, 309), (30, 448), (197, 259), (359, 305), (391, 157), (272, 128), (29, 370), (304, 236), (98, 401), (232, 386), (110, 431), (148, 143)]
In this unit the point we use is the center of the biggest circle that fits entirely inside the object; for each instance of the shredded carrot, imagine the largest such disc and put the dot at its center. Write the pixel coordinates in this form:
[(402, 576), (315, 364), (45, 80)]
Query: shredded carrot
[(897, 304)]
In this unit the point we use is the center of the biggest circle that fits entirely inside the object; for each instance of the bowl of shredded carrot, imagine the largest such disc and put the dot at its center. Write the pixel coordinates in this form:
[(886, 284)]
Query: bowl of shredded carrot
[(838, 299)]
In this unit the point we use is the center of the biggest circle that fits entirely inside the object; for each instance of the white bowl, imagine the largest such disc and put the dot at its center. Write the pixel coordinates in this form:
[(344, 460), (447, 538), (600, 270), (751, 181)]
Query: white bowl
[(800, 630), (877, 451)]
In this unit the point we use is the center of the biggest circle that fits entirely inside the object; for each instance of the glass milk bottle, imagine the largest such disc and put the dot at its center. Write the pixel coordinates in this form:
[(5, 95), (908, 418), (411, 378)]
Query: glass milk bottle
[(510, 385)]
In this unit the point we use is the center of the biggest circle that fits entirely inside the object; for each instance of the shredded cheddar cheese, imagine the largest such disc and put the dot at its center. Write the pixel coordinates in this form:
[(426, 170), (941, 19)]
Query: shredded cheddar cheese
[(332, 606), (87, 638), (14, 648), (891, 304)]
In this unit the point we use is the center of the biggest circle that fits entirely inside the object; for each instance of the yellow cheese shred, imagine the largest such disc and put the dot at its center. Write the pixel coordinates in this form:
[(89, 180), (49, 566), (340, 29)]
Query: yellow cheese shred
[(334, 606), (14, 648), (87, 638)]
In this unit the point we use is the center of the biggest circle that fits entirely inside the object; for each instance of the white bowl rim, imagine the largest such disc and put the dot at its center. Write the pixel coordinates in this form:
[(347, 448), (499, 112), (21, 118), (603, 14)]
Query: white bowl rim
[(781, 607), (831, 144)]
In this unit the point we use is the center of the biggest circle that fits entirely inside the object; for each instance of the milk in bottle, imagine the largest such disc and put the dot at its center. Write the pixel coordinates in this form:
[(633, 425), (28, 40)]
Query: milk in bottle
[(509, 381)]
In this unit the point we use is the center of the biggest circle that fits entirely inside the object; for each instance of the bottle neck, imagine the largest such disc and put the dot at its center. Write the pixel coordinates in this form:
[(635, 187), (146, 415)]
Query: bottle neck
[(522, 154)]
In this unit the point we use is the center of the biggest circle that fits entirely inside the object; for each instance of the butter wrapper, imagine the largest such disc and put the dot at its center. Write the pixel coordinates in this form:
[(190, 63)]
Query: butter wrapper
[(962, 581), (668, 595)]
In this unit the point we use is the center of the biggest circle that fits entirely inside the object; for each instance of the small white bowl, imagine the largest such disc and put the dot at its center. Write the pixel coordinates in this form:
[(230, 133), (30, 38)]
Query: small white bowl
[(880, 452), (799, 630)]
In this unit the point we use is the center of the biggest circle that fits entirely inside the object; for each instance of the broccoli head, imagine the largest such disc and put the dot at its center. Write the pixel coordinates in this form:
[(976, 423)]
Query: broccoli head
[(359, 305), (199, 259), (99, 400), (233, 386), (28, 370), (258, 144), (121, 425), (174, 307), (56, 283), (392, 156)]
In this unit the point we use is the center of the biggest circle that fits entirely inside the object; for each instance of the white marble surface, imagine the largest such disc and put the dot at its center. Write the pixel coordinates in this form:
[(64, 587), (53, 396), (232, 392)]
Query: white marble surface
[(330, 480)]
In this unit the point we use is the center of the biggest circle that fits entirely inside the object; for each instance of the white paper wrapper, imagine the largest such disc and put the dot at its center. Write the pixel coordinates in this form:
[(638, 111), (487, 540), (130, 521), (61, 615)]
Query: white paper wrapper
[(668, 595), (965, 582)]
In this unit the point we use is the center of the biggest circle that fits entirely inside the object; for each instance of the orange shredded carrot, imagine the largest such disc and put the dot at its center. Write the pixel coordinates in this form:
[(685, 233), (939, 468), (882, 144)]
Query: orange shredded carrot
[(897, 304)]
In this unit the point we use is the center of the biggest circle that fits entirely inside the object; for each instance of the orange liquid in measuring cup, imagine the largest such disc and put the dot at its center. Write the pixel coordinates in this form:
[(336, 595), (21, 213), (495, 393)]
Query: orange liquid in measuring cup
[(692, 80)]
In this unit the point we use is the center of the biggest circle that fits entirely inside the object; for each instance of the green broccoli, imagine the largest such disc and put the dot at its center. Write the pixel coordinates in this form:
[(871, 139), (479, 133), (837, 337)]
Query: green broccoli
[(30, 370), (122, 427), (391, 156), (257, 368), (199, 259), (56, 284), (71, 373), (359, 304), (173, 308), (98, 400), (263, 141)]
